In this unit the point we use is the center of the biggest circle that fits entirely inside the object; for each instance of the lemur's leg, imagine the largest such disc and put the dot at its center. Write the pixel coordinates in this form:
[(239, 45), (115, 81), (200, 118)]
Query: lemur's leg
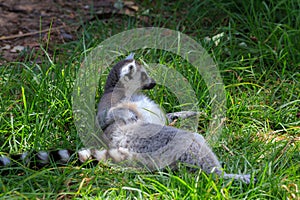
[(182, 115), (200, 154)]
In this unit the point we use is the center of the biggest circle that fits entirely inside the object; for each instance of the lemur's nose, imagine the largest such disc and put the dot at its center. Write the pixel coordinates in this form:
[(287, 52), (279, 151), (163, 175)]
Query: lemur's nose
[(150, 85)]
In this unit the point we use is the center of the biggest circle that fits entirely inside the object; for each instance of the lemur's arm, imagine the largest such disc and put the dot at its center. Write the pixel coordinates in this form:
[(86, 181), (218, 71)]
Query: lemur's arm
[(182, 115), (127, 115), (121, 114)]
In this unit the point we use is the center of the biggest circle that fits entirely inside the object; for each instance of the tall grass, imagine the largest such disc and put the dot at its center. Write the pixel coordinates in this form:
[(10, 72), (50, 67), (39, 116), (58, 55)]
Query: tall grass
[(259, 61)]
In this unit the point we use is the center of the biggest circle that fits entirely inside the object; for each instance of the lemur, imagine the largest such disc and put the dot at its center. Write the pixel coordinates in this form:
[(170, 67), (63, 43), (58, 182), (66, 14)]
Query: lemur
[(135, 130)]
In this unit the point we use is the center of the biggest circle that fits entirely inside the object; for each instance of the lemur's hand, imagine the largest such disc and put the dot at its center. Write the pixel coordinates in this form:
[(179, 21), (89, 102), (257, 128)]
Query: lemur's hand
[(120, 115), (182, 115)]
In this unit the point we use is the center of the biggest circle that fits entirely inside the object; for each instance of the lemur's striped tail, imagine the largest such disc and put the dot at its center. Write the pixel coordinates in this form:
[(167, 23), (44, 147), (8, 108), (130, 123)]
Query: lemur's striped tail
[(41, 158)]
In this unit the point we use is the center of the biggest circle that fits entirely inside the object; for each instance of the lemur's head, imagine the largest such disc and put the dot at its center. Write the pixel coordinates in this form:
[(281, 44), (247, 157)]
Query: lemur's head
[(130, 75)]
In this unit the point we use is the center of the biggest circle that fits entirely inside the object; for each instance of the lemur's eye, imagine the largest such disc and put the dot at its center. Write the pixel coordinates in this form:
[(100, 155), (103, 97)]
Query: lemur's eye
[(130, 67)]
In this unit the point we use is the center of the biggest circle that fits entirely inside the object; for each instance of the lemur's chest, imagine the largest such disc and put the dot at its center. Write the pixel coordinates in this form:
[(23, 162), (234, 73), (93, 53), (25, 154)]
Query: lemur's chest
[(148, 110), (125, 116)]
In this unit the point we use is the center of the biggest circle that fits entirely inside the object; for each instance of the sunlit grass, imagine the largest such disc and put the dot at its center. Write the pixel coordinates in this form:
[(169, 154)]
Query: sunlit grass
[(259, 60)]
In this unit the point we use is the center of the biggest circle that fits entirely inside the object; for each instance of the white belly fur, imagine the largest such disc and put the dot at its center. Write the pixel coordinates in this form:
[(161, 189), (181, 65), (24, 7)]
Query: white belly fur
[(150, 111)]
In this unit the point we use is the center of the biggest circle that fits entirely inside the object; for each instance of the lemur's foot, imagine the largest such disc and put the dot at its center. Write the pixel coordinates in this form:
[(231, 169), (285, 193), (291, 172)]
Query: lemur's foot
[(246, 178), (119, 154)]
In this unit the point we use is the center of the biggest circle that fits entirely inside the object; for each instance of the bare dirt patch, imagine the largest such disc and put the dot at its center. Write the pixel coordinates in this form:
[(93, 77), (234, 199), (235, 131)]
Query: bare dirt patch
[(26, 24)]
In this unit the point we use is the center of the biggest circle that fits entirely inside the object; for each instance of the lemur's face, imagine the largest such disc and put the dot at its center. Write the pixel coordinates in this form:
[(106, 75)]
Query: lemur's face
[(134, 76)]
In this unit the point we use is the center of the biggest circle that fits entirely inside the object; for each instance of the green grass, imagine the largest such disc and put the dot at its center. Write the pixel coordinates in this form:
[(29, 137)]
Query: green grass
[(259, 60)]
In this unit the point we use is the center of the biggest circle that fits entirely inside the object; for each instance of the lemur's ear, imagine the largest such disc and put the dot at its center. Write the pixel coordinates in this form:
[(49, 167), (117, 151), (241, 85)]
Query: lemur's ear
[(130, 56)]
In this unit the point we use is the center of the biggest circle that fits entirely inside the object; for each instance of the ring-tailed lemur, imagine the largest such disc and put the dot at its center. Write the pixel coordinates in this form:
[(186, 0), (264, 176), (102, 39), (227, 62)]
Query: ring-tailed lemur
[(38, 159), (135, 130)]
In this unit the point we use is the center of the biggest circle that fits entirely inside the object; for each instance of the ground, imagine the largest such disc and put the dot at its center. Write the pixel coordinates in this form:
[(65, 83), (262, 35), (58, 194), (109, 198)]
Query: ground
[(26, 25)]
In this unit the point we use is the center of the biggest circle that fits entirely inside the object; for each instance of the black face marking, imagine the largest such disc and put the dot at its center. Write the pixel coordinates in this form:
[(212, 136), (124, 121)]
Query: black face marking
[(131, 67), (131, 72), (149, 86)]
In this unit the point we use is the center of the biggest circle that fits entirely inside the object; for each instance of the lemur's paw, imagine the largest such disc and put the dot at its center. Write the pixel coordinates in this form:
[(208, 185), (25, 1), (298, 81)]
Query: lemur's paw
[(245, 178), (119, 154), (121, 115)]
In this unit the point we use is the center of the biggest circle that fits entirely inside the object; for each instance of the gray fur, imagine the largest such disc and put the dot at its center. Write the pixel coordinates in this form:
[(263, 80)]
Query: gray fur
[(133, 139)]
